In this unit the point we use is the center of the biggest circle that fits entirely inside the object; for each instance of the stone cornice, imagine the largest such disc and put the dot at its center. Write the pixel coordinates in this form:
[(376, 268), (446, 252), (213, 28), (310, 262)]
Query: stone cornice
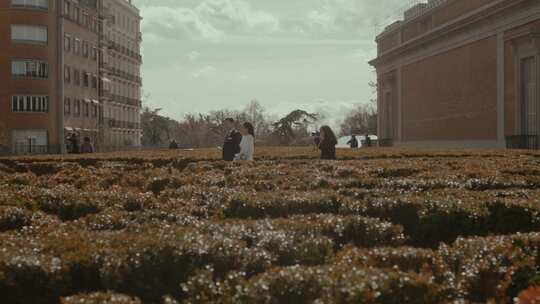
[(477, 16)]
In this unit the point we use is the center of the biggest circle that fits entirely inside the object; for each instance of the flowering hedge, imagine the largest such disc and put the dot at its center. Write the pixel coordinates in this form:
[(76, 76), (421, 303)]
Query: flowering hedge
[(377, 226)]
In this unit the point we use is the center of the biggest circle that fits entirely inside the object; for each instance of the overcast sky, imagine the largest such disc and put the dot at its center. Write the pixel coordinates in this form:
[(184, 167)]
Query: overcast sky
[(201, 55)]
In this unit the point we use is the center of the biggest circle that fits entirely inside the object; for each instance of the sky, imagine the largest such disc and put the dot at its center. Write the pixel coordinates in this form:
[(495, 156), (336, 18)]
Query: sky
[(203, 55)]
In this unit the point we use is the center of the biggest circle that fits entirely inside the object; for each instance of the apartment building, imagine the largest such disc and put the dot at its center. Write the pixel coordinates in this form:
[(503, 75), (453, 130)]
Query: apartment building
[(69, 66), (80, 58), (29, 90), (461, 73), (120, 74)]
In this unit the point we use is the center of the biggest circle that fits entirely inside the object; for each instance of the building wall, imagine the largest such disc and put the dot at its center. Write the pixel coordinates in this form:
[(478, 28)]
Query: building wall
[(87, 96), (456, 8), (452, 96), (510, 77), (121, 69), (10, 121)]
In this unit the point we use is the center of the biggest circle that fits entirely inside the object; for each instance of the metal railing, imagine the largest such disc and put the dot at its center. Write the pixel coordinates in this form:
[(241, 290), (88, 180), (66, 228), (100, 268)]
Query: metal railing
[(27, 149), (119, 124), (525, 142)]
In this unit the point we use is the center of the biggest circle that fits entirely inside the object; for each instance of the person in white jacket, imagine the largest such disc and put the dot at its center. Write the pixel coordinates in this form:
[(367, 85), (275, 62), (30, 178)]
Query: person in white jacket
[(247, 145)]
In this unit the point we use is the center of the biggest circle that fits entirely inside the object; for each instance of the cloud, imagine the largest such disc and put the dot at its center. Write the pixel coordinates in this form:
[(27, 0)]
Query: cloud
[(210, 20), (204, 72), (193, 55), (178, 23)]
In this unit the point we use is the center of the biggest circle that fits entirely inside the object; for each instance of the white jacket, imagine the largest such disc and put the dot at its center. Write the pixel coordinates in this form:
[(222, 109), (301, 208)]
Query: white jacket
[(247, 148)]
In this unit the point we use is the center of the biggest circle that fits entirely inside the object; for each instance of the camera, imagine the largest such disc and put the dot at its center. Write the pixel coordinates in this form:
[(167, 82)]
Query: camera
[(315, 134)]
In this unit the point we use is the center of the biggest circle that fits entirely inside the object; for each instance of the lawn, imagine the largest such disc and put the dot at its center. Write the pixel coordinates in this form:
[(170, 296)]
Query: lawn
[(376, 226)]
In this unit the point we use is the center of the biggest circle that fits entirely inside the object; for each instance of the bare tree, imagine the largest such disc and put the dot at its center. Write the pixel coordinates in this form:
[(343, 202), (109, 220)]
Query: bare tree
[(362, 120)]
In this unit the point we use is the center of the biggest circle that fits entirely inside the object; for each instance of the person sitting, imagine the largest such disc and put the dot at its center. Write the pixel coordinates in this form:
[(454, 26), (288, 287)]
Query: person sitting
[(247, 146), (328, 143), (231, 146), (353, 142), (87, 147)]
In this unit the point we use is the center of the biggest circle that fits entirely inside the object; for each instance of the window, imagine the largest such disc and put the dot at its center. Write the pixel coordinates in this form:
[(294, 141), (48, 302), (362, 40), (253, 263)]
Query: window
[(67, 106), (29, 68), (40, 4), (94, 111), (86, 109), (94, 53), (67, 8), (67, 43), (76, 77), (94, 82), (85, 49), (75, 15), (67, 74), (77, 110), (29, 33), (85, 19), (77, 46), (30, 103), (86, 79)]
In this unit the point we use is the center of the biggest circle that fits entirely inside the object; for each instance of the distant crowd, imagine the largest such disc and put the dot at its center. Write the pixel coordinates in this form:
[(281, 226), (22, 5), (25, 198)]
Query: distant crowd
[(74, 145), (239, 145)]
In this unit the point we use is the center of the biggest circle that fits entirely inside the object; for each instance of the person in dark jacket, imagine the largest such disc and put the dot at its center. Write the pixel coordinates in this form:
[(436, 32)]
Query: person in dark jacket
[(353, 143), (368, 141), (328, 143), (74, 140), (231, 146), (173, 145)]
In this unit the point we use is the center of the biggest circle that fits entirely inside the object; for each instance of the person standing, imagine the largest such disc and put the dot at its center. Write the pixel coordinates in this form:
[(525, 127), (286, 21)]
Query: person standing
[(74, 139), (173, 145), (328, 143), (87, 147), (231, 146), (368, 141), (247, 145), (353, 143)]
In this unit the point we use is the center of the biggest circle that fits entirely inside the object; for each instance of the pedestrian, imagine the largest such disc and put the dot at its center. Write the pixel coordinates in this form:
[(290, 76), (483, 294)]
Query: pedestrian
[(353, 142), (231, 145), (74, 140), (87, 147), (368, 141), (328, 143), (173, 145), (247, 146)]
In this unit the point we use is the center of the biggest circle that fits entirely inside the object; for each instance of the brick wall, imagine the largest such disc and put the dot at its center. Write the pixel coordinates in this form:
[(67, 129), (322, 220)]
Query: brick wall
[(452, 96)]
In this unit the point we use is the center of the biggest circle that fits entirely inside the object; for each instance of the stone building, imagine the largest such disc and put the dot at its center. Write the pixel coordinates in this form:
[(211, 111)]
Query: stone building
[(461, 73), (120, 64)]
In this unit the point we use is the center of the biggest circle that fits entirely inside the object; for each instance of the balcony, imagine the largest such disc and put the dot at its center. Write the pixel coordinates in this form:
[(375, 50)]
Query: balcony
[(119, 124), (123, 100), (124, 50), (125, 75)]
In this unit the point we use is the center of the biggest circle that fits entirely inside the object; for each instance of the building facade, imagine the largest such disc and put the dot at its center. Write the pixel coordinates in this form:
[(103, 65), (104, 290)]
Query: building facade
[(80, 57), (66, 68), (461, 73), (121, 80), (29, 78)]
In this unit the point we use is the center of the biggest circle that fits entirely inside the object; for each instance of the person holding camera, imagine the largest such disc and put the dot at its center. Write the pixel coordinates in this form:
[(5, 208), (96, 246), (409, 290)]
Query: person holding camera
[(327, 143)]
